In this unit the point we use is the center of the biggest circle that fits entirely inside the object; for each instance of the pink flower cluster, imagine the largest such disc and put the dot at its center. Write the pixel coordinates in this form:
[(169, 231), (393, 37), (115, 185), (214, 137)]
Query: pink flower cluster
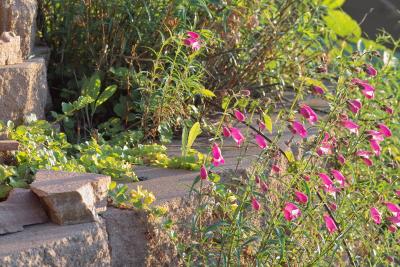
[(193, 40)]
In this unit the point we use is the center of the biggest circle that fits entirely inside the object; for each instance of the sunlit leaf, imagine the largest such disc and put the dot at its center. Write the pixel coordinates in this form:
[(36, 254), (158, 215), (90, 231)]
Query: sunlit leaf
[(267, 122)]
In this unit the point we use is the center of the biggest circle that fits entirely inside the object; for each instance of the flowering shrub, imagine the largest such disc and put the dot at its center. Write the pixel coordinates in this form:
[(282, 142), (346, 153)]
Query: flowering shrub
[(336, 203)]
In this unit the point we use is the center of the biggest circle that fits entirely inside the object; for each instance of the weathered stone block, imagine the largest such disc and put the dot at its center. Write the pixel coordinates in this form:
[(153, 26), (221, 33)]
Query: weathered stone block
[(19, 16), (10, 49), (21, 208), (23, 90), (54, 245), (71, 198), (8, 145)]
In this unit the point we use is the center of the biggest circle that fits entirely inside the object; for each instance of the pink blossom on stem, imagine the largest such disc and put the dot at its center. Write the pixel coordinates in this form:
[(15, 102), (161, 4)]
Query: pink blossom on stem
[(261, 126), (301, 197), (291, 212), (330, 224), (368, 90), (375, 135), (307, 178), (384, 130), (364, 155), (376, 215), (255, 204), (393, 208), (328, 184), (264, 186), (395, 220), (341, 159), (326, 146), (370, 70), (194, 35), (193, 41), (332, 206), (392, 228), (397, 193), (237, 136), (203, 173), (354, 105), (350, 125), (276, 169), (257, 179), (298, 128), (339, 176), (308, 113), (388, 110), (375, 146), (318, 90), (240, 116), (217, 155), (226, 132), (262, 143)]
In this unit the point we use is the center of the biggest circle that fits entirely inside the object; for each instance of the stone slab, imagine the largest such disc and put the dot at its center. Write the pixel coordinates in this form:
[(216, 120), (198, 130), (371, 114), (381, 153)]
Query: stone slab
[(8, 145), (23, 90), (10, 49), (71, 198), (19, 16), (21, 208), (53, 245)]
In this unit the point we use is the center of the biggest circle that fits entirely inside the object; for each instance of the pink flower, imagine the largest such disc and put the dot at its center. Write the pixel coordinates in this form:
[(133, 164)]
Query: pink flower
[(370, 70), (341, 159), (301, 197), (368, 91), (257, 179), (326, 146), (193, 35), (384, 130), (308, 113), (298, 128), (291, 212), (350, 125), (328, 184), (395, 220), (388, 110), (376, 215), (264, 186), (237, 136), (330, 224), (226, 132), (393, 208), (397, 193), (364, 155), (261, 126), (339, 176), (375, 146), (262, 143), (240, 116), (276, 169), (217, 155), (203, 173), (307, 178), (375, 135), (354, 105), (332, 206), (318, 90), (255, 204), (392, 228)]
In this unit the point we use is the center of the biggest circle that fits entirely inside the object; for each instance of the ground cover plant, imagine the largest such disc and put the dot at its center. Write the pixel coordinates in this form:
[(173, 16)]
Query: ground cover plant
[(128, 76)]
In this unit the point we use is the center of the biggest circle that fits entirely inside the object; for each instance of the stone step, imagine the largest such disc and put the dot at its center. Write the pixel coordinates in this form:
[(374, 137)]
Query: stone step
[(8, 145), (23, 90)]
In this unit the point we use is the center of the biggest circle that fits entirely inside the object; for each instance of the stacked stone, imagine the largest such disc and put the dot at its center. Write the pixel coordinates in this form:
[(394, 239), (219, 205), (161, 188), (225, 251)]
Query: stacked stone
[(23, 84)]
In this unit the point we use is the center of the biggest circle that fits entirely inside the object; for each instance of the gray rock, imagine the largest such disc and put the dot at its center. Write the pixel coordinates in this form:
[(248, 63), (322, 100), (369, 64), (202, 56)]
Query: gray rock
[(10, 49), (21, 208), (71, 198), (54, 245), (23, 90)]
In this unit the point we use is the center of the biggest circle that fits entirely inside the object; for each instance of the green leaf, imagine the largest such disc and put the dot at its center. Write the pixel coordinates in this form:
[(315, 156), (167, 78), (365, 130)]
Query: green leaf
[(91, 87), (106, 94), (290, 156), (184, 140), (268, 122), (333, 3), (343, 25), (310, 81), (193, 133), (205, 92)]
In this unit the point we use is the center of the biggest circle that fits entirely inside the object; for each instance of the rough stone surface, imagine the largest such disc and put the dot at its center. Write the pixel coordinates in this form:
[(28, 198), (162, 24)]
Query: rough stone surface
[(71, 198), (23, 90), (54, 245), (8, 145), (10, 49), (21, 208), (19, 16)]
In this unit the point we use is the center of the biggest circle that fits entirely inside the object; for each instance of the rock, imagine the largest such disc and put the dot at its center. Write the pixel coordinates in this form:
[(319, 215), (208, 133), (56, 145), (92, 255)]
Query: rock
[(10, 49), (21, 208), (19, 16), (23, 90), (71, 198), (53, 245), (8, 145)]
